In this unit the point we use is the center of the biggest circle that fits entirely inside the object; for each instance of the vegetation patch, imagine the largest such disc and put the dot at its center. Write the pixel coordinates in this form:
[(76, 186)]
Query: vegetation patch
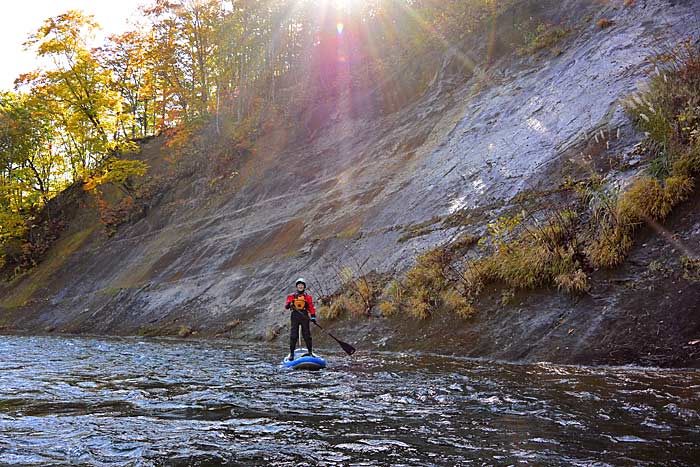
[(426, 287), (350, 233), (356, 296), (545, 36), (691, 268), (605, 23), (419, 230), (669, 114)]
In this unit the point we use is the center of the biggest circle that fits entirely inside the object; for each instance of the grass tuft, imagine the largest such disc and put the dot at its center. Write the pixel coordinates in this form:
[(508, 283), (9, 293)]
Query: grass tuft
[(544, 37)]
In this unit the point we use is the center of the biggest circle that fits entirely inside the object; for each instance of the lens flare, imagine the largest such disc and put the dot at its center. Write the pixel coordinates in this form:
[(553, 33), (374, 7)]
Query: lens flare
[(340, 27)]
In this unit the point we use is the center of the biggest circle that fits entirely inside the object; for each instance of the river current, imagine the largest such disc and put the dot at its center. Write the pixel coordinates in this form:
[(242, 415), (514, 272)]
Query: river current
[(160, 402)]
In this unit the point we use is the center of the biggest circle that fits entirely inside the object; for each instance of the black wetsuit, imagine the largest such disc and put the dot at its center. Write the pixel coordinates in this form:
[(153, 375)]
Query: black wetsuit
[(300, 318)]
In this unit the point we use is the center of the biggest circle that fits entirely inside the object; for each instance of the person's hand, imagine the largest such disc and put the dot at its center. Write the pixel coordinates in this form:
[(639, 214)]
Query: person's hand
[(313, 319), (288, 306)]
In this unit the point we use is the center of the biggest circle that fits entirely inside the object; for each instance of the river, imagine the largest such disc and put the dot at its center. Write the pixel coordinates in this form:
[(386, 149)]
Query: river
[(161, 402)]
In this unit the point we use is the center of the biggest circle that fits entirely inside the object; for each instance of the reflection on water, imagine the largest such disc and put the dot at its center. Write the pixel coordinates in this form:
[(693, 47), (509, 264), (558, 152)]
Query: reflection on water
[(131, 402)]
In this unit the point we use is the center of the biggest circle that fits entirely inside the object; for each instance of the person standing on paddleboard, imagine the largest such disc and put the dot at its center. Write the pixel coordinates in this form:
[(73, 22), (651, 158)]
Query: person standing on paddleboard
[(301, 305)]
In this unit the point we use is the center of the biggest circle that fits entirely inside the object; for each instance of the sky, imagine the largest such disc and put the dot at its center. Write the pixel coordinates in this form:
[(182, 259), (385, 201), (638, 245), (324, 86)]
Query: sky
[(22, 18)]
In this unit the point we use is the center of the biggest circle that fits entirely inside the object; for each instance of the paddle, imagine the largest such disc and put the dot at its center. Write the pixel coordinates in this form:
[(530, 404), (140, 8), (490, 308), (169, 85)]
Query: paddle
[(349, 349)]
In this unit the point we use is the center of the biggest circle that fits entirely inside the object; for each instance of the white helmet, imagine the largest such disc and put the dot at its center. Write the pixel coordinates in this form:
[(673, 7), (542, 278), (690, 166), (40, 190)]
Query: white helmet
[(301, 280)]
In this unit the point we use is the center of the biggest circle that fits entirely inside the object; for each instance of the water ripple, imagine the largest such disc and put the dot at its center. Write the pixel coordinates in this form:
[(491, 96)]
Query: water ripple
[(132, 402)]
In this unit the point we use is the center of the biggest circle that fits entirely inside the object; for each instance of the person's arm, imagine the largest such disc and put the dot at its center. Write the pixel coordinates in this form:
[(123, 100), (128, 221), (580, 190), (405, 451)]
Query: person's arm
[(290, 299), (312, 308)]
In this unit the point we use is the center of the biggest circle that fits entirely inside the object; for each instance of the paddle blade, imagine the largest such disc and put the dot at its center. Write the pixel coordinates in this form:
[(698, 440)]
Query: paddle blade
[(349, 349)]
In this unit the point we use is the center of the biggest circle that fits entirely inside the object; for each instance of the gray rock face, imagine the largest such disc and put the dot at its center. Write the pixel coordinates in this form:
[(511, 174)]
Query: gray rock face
[(201, 261)]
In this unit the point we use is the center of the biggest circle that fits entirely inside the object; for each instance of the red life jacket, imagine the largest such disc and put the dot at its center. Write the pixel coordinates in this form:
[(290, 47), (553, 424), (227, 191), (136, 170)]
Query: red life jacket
[(301, 302)]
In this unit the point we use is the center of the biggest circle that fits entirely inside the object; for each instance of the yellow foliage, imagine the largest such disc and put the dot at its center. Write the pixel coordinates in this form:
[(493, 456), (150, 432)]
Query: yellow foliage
[(523, 267), (429, 271), (457, 303), (12, 225), (464, 241), (419, 307), (344, 303), (572, 282), (117, 172), (389, 308), (610, 247), (184, 331), (354, 304), (507, 297), (645, 199), (691, 268), (363, 291), (466, 311), (478, 273), (678, 189), (330, 313), (689, 164), (393, 294)]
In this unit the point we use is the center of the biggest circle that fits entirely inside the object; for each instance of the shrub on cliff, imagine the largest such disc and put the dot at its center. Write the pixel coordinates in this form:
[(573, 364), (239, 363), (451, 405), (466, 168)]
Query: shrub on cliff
[(545, 36)]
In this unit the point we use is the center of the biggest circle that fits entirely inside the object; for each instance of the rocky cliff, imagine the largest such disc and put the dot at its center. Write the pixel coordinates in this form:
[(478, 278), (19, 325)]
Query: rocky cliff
[(369, 190)]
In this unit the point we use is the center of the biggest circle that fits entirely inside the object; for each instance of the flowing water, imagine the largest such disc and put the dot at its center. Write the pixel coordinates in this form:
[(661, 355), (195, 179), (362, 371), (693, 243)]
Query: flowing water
[(143, 402)]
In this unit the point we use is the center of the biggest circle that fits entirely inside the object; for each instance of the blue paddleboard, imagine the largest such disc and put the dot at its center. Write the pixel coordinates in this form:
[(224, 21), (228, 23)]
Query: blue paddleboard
[(302, 361)]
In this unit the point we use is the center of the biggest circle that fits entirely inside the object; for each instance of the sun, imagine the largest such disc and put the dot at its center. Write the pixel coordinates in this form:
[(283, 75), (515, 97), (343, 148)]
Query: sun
[(341, 4)]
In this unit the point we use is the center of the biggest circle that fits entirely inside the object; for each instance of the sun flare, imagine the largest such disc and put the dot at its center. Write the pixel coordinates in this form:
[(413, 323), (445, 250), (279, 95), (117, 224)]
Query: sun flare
[(340, 4)]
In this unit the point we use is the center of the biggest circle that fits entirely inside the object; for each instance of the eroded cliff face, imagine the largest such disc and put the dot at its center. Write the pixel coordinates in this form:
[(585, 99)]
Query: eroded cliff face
[(219, 261)]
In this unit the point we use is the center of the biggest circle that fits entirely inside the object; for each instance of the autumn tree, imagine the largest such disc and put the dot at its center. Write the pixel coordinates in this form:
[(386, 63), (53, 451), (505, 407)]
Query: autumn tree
[(183, 54), (77, 91), (125, 56)]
